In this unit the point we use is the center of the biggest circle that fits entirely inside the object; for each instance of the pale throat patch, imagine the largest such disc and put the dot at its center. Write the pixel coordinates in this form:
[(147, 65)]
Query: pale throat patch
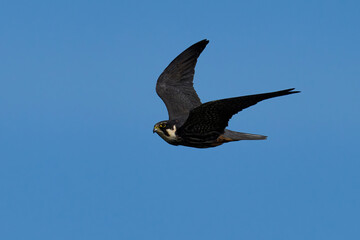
[(171, 132)]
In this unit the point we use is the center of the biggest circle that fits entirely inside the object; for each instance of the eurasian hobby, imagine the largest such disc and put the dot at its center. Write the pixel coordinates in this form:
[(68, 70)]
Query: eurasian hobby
[(192, 123)]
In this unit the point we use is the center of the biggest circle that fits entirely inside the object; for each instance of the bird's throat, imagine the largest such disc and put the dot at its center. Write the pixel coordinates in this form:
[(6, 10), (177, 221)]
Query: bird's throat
[(169, 135)]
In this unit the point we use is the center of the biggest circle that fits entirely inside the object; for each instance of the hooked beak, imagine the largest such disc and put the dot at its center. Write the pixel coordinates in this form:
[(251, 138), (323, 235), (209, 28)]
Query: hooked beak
[(155, 129)]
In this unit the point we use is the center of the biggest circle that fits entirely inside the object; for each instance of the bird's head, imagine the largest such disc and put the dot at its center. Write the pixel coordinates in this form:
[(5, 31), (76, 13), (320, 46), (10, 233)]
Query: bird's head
[(160, 126), (166, 130)]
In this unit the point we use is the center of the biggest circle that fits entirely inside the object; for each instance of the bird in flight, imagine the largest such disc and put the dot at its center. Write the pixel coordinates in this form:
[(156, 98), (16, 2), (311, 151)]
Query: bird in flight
[(195, 124)]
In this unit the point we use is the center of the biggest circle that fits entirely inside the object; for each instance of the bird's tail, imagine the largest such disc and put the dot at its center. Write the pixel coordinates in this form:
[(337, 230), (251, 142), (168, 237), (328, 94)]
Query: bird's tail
[(236, 136)]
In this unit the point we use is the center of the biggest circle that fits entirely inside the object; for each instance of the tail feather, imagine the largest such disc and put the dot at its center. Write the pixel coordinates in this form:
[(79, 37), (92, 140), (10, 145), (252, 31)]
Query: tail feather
[(236, 136)]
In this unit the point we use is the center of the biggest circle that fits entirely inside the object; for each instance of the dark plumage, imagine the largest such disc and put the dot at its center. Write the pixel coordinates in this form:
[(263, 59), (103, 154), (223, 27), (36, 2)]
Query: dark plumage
[(194, 124), (175, 84)]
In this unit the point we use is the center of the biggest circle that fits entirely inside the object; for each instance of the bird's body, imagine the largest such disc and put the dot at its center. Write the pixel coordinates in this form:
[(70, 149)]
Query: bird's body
[(192, 123)]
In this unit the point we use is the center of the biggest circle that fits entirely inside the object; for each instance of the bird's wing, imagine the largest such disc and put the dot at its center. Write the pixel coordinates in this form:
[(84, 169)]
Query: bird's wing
[(213, 117), (175, 84)]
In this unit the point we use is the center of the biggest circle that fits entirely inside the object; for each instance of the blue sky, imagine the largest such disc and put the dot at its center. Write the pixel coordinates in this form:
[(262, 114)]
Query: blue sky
[(78, 159)]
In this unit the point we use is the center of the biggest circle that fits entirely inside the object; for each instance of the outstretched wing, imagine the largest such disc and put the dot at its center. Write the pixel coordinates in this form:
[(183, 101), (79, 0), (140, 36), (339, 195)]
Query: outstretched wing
[(175, 84), (213, 117)]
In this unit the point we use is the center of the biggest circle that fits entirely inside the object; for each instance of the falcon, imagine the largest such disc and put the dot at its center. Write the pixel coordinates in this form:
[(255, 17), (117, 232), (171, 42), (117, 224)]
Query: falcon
[(195, 124)]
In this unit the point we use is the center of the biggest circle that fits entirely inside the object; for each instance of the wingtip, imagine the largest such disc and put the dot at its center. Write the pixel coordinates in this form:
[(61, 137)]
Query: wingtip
[(199, 46), (204, 41), (291, 90)]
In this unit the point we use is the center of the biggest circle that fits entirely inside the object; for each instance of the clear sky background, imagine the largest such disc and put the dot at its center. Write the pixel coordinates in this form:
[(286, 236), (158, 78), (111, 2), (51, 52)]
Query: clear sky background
[(78, 159)]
